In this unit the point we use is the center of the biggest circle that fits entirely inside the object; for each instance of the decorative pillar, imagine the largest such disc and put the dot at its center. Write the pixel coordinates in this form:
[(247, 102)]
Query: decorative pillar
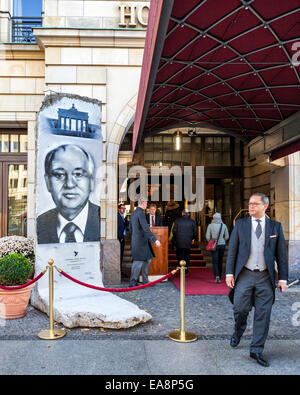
[(287, 206)]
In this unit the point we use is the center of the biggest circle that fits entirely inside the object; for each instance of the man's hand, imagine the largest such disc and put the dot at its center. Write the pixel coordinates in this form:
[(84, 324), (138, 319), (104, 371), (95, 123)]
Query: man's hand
[(282, 285), (230, 281), (157, 243)]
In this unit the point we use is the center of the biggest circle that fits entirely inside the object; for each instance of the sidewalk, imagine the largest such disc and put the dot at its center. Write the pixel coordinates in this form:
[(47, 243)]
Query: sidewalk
[(146, 349)]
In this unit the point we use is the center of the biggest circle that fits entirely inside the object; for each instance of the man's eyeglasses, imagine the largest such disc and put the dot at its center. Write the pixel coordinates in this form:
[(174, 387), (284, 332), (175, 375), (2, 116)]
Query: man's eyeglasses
[(254, 204)]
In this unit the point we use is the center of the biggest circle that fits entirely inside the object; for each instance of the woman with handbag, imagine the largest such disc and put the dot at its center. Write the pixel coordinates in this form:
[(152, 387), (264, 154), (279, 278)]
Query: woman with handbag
[(217, 234)]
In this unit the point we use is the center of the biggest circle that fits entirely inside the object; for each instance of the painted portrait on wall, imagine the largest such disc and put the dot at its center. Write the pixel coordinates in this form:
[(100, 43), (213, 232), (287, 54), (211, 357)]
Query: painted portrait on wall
[(69, 171)]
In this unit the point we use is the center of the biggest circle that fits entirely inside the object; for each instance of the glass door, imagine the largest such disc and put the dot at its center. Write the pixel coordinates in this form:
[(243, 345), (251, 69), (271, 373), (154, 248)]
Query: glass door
[(13, 206)]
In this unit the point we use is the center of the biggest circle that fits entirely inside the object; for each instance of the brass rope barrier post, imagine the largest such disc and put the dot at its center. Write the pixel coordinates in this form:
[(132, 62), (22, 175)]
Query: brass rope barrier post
[(51, 333), (182, 336)]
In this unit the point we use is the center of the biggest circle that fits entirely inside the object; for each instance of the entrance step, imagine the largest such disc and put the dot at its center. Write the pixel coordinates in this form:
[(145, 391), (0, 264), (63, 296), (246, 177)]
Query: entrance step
[(196, 258)]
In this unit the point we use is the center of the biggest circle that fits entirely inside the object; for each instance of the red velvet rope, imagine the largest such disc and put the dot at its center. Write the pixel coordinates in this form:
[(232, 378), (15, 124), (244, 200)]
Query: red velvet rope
[(24, 285), (117, 289)]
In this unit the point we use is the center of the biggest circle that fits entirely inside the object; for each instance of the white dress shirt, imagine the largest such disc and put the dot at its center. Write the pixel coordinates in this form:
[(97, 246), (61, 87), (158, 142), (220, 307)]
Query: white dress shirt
[(79, 221)]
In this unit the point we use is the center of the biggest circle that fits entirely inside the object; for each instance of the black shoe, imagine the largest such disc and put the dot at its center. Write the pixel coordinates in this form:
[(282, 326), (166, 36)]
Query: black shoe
[(133, 285), (234, 341), (257, 356), (218, 280)]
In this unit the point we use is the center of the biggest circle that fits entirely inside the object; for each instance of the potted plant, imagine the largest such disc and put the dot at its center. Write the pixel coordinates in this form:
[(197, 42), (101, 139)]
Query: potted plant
[(15, 270)]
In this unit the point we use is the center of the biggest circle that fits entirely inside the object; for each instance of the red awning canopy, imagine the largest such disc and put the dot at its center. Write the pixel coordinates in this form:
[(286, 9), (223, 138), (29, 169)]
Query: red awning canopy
[(228, 65)]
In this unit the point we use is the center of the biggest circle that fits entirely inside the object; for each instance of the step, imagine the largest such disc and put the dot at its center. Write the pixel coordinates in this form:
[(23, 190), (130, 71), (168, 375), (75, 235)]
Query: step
[(174, 262)]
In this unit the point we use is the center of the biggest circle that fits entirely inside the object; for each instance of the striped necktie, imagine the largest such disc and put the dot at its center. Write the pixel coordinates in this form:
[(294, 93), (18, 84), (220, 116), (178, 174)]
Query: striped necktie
[(258, 231)]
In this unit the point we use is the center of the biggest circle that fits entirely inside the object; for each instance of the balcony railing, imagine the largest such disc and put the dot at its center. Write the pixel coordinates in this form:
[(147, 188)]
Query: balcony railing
[(22, 29)]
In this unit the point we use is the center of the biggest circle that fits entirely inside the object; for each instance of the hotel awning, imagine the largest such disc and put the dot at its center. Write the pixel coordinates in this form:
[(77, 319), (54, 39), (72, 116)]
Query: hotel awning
[(232, 66)]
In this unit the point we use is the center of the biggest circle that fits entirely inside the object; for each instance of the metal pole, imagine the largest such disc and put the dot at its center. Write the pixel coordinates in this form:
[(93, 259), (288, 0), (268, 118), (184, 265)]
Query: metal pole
[(182, 336), (51, 333)]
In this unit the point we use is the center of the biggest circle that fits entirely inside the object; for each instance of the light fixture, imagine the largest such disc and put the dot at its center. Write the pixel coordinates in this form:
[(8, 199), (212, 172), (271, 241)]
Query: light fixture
[(178, 141), (192, 132)]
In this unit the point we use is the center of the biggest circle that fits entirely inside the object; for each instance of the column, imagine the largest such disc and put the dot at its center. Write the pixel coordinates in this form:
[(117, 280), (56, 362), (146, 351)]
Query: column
[(5, 21), (287, 207)]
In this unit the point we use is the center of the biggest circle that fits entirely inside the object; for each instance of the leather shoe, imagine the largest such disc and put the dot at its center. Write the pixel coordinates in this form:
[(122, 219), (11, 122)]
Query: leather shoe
[(234, 341), (257, 356), (133, 285)]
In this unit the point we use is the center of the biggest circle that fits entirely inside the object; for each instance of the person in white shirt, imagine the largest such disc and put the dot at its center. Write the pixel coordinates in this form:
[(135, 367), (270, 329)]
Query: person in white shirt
[(153, 219)]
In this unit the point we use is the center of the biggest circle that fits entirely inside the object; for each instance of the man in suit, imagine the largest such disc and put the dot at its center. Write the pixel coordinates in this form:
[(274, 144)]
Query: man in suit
[(122, 225), (69, 176), (184, 231), (141, 239), (152, 218), (255, 244)]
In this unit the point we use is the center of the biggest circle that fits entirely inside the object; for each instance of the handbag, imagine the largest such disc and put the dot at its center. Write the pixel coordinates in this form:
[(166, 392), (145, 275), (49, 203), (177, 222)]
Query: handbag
[(212, 244)]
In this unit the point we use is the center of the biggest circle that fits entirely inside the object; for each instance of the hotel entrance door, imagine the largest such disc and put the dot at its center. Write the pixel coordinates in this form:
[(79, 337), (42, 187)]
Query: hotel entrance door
[(222, 196)]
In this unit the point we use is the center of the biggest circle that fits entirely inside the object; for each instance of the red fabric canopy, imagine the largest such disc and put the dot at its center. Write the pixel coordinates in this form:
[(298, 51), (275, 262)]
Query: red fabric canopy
[(230, 65)]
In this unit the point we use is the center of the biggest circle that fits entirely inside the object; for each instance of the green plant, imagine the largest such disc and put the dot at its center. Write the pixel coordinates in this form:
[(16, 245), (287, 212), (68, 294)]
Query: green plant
[(14, 269)]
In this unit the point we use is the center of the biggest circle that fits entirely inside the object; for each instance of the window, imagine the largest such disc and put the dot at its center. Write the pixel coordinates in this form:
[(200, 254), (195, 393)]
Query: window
[(27, 16), (13, 183), (159, 150), (13, 143), (217, 151), (28, 8)]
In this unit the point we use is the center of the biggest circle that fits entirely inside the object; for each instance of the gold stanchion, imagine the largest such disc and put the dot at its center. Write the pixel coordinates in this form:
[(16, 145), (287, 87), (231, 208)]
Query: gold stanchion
[(182, 336), (51, 333)]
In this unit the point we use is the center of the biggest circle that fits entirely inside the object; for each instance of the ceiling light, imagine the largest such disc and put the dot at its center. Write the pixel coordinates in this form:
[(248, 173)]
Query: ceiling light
[(178, 141)]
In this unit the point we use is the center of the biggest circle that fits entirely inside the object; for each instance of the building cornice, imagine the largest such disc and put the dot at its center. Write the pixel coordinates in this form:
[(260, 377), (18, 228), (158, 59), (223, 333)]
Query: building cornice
[(17, 51), (90, 37)]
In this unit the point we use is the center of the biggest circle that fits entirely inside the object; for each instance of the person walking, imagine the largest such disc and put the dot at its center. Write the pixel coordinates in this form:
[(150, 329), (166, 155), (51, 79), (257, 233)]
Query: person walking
[(141, 239), (184, 232), (217, 230), (255, 244)]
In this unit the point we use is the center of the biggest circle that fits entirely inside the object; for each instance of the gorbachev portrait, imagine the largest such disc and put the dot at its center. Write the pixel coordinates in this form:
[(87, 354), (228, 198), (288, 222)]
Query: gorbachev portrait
[(69, 175)]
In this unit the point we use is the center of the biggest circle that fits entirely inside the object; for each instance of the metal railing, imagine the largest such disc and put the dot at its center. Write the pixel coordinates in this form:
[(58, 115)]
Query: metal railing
[(22, 29)]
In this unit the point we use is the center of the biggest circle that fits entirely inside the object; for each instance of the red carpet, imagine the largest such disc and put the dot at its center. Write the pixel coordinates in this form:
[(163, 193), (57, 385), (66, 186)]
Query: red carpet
[(201, 281)]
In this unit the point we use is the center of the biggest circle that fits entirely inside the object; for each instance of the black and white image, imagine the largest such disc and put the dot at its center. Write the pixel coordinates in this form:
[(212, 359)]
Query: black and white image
[(69, 176), (69, 172)]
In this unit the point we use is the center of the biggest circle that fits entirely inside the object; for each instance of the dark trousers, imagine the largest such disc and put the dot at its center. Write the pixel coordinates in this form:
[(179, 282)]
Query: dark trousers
[(217, 260), (122, 245), (183, 254), (253, 289)]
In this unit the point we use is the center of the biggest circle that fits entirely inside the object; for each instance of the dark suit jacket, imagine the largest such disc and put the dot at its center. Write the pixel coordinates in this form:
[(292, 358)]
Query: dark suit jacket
[(240, 245), (141, 236), (47, 226), (122, 225), (157, 219), (184, 231)]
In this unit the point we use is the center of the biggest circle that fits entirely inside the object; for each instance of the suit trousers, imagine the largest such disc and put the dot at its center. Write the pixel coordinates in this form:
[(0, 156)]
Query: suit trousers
[(183, 254), (135, 271), (253, 289), (217, 260)]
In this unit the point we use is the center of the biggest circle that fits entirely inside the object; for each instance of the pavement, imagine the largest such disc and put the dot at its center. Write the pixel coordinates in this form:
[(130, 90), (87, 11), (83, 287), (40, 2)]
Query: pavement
[(146, 348)]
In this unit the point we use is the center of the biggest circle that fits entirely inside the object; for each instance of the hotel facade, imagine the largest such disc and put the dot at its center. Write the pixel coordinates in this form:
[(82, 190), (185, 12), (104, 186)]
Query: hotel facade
[(94, 49)]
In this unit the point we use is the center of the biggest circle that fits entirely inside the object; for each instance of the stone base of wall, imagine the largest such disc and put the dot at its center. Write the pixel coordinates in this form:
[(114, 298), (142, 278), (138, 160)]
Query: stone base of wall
[(294, 259), (110, 261)]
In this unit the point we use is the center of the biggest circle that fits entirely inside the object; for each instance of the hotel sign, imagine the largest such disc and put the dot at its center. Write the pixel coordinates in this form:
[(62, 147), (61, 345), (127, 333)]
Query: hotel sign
[(130, 15)]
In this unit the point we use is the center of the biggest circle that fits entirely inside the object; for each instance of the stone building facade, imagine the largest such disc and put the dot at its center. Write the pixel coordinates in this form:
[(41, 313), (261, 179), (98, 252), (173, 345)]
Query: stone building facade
[(94, 48)]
